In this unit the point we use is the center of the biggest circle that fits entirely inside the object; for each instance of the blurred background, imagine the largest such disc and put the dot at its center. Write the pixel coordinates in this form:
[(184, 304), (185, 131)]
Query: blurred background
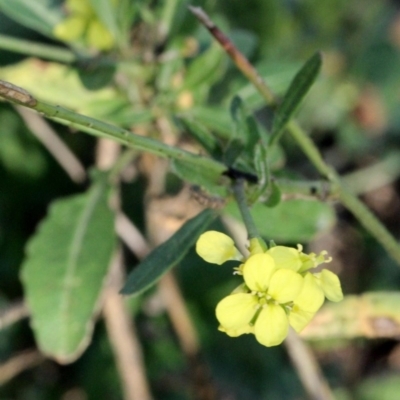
[(166, 67)]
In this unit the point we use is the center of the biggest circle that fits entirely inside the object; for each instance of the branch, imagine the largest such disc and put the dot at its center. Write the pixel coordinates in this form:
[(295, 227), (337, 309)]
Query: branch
[(349, 200), (17, 95), (17, 364), (13, 313)]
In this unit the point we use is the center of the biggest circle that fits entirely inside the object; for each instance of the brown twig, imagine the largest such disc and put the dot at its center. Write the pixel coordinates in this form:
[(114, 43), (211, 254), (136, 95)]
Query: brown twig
[(13, 313), (131, 236), (239, 59), (57, 148), (123, 338), (165, 215), (307, 368), (19, 363)]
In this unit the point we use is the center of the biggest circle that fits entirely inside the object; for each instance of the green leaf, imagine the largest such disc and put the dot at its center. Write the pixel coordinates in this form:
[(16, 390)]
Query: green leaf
[(262, 166), (215, 118), (274, 197), (299, 87), (202, 135), (277, 74), (167, 255), (205, 69), (232, 151), (238, 140), (293, 221), (39, 15), (385, 386), (63, 274), (172, 16), (95, 76), (200, 176)]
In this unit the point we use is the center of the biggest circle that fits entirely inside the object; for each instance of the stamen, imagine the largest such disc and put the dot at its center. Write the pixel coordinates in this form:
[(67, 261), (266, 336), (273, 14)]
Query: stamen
[(299, 248)]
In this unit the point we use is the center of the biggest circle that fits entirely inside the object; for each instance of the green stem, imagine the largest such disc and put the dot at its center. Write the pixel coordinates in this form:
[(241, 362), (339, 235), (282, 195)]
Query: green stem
[(102, 129), (348, 199), (94, 127), (53, 53), (27, 47), (240, 196), (370, 223)]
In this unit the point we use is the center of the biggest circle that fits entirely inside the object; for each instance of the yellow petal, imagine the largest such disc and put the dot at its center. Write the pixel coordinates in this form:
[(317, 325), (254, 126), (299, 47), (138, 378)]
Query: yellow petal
[(330, 284), (257, 271), (70, 29), (216, 248), (98, 36), (235, 311), (285, 285), (311, 296), (285, 257), (299, 318), (82, 7), (271, 326), (237, 332)]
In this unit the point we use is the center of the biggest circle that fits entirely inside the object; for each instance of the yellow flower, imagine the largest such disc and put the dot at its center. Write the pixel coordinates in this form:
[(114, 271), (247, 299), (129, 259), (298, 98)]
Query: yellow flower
[(83, 24), (277, 290), (312, 260), (286, 257), (216, 248), (330, 284), (263, 309), (327, 280), (306, 304)]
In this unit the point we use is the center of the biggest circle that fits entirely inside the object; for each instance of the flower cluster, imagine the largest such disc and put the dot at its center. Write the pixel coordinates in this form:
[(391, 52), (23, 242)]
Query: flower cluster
[(82, 24), (278, 289)]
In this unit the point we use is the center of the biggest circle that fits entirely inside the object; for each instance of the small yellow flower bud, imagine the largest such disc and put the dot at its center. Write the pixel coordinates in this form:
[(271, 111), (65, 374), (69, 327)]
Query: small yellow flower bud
[(217, 248)]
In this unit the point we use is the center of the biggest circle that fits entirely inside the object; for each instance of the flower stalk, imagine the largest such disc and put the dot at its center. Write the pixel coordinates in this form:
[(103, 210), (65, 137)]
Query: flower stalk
[(240, 196)]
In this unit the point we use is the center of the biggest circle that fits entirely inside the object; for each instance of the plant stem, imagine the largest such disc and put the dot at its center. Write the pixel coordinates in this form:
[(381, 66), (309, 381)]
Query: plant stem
[(350, 201), (98, 128), (54, 53), (240, 196), (27, 47), (123, 136)]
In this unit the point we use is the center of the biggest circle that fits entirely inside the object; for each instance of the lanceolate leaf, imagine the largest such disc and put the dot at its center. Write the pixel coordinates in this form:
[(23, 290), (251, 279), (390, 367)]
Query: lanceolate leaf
[(67, 261), (299, 87), (166, 256)]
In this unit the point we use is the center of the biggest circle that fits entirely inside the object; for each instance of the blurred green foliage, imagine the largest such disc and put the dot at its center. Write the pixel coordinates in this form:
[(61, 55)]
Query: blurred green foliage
[(352, 112)]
